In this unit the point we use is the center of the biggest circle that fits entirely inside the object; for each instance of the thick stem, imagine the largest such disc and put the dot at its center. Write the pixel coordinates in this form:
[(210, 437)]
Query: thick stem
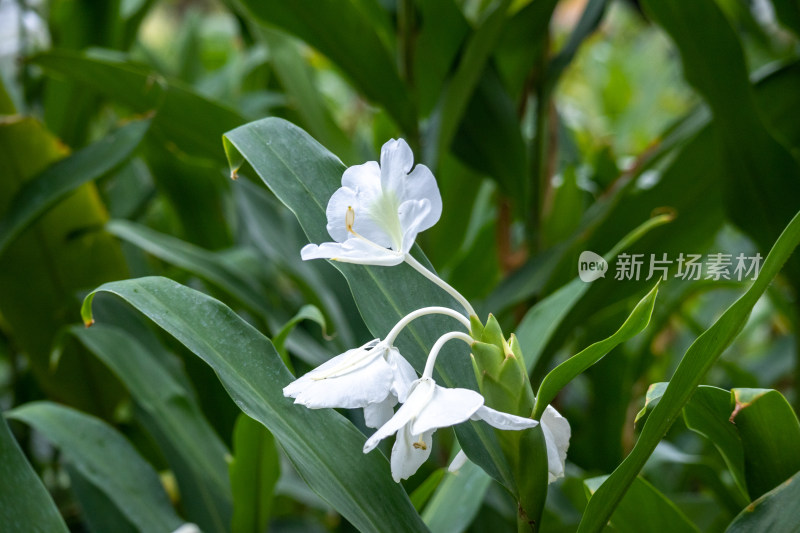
[(441, 283), (431, 362), (406, 320)]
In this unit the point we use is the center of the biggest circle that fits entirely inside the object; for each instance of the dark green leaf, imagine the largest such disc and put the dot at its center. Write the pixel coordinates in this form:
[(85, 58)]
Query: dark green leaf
[(774, 511)]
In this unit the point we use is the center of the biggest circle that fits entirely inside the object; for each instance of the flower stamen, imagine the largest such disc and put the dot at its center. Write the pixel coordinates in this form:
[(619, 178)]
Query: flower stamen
[(420, 444)]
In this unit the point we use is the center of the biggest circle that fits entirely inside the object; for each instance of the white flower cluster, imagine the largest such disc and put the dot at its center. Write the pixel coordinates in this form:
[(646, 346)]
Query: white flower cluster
[(374, 219)]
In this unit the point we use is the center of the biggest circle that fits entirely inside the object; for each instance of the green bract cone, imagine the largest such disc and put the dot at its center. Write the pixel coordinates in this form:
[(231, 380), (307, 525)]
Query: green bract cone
[(503, 380)]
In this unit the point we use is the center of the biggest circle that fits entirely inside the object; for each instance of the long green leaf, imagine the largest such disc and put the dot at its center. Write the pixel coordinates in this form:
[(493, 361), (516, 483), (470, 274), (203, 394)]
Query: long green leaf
[(66, 175), (25, 505), (456, 501), (251, 370), (105, 459), (569, 369), (695, 363), (192, 448)]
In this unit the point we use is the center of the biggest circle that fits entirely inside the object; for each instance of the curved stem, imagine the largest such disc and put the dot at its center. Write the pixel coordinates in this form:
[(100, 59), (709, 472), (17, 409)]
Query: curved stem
[(406, 320), (429, 364), (441, 283)]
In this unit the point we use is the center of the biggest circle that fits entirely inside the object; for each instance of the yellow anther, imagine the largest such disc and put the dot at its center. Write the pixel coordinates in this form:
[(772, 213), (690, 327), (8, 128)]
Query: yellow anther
[(349, 219), (420, 444)]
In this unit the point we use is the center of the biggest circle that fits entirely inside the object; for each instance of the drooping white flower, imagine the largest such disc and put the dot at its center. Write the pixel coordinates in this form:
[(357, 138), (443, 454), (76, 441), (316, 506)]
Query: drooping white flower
[(427, 408), (377, 213), (556, 437), (373, 377)]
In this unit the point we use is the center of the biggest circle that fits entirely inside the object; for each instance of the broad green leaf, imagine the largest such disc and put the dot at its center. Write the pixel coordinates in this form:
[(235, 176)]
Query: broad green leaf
[(700, 356), (61, 178), (194, 451), (184, 118), (644, 504), (105, 459), (577, 364), (251, 370), (709, 414), (762, 185), (770, 436), (347, 33), (774, 511), (254, 470), (25, 505), (303, 175), (541, 321), (97, 510), (457, 499)]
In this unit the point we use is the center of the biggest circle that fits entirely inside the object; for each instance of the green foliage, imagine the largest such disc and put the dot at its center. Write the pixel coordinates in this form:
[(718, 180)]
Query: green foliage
[(552, 128)]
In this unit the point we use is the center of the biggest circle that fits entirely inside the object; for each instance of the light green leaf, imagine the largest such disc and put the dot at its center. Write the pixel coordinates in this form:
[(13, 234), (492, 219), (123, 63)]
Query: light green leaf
[(194, 451), (770, 436), (254, 471), (577, 364), (25, 505), (254, 376), (774, 511), (695, 363), (644, 502), (61, 178), (654, 393), (105, 459)]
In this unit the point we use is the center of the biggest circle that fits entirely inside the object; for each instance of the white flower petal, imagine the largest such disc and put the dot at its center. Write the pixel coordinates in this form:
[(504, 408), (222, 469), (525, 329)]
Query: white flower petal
[(458, 461), (447, 407), (377, 414), (412, 214), (351, 380), (409, 452), (404, 374), (502, 420), (353, 250), (419, 395), (365, 179), (556, 435), (421, 185), (396, 162), (336, 212)]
